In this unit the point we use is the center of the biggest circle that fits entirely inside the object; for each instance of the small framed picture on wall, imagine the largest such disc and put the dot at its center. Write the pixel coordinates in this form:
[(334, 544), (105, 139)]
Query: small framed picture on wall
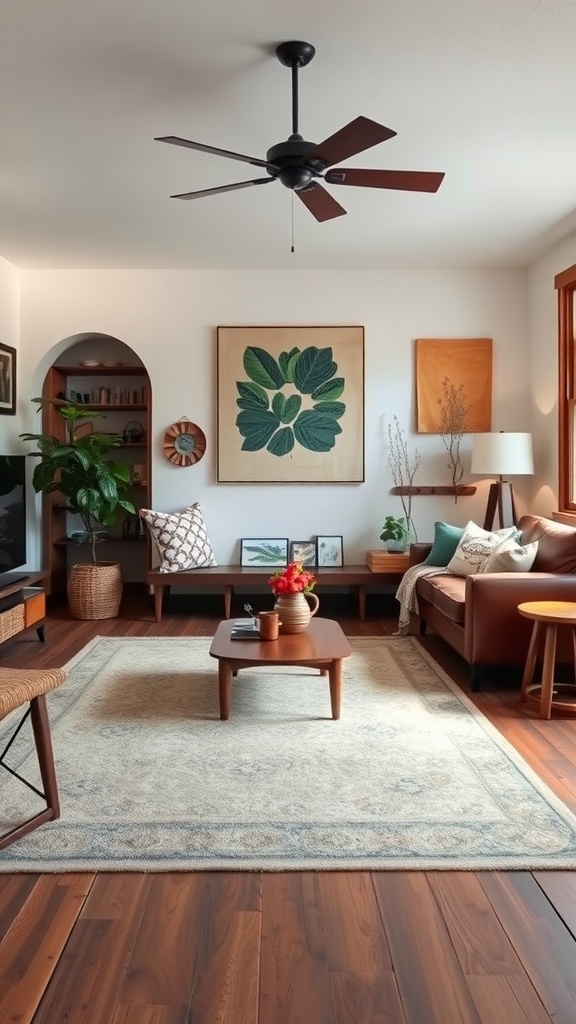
[(329, 551), (7, 380)]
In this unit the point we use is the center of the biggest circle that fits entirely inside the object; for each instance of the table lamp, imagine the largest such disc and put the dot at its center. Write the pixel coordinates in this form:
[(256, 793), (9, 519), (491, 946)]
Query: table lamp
[(501, 454)]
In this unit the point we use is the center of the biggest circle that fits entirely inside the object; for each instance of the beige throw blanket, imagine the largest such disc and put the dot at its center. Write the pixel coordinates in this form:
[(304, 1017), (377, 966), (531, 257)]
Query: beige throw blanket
[(406, 593)]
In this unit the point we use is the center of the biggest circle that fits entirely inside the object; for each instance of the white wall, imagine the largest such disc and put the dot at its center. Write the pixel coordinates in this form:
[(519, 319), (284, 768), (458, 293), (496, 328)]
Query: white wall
[(169, 317), (543, 364), (9, 335)]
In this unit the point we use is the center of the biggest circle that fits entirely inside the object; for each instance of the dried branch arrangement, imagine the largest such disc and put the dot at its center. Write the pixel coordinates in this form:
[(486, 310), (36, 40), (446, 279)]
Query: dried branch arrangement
[(454, 411), (403, 467)]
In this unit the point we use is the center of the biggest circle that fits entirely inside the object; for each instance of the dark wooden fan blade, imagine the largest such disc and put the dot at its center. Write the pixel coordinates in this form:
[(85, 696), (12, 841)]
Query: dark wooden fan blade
[(222, 188), (320, 203), (360, 134), (406, 181), (174, 140)]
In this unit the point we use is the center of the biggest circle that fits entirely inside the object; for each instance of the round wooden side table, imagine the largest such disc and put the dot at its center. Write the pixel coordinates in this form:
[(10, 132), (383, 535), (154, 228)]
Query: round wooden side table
[(546, 695)]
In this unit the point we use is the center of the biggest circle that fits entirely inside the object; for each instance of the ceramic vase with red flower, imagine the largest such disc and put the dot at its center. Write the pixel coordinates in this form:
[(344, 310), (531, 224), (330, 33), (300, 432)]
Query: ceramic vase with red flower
[(295, 611)]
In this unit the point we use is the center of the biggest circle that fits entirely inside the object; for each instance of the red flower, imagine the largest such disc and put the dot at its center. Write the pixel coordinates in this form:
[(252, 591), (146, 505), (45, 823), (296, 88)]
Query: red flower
[(294, 579)]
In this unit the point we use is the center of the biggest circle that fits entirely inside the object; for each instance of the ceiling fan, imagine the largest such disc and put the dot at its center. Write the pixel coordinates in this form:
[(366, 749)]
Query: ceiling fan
[(297, 163)]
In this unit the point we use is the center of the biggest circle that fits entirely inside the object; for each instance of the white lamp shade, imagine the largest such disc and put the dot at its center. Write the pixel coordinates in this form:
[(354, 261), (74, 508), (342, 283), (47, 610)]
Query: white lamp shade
[(502, 454)]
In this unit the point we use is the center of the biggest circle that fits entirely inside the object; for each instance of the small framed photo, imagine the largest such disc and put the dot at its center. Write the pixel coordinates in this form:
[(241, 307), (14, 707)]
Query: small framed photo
[(303, 551), (7, 380), (329, 551), (264, 552)]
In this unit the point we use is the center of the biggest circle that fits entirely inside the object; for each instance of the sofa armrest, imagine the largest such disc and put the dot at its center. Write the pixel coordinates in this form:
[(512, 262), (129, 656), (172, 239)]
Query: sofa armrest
[(419, 552), (493, 623)]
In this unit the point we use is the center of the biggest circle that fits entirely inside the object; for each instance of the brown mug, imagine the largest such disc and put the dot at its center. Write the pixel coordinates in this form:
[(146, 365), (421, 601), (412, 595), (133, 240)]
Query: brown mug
[(269, 625)]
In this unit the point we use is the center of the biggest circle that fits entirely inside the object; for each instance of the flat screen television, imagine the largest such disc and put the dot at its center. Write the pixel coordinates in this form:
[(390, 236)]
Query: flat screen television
[(12, 517)]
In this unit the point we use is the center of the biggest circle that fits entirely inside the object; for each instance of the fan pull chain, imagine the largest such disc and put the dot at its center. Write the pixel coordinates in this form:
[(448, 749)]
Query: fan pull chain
[(292, 198)]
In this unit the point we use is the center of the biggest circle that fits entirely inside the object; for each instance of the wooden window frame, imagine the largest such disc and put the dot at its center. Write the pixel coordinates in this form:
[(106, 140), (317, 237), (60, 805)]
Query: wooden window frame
[(565, 284)]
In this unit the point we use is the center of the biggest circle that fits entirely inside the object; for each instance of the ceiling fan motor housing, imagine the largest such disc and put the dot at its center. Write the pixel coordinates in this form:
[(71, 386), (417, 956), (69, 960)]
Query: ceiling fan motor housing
[(289, 165)]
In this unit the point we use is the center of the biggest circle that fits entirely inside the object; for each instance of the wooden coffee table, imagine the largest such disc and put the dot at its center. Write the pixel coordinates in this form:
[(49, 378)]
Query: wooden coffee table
[(322, 645)]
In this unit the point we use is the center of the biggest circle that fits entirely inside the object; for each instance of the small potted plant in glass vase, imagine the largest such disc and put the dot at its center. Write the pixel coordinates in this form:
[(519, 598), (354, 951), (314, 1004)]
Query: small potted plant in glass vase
[(395, 534), (295, 602)]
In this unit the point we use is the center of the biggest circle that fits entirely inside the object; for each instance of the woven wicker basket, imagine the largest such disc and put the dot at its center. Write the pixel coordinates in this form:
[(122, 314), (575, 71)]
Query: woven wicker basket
[(95, 591), (11, 622)]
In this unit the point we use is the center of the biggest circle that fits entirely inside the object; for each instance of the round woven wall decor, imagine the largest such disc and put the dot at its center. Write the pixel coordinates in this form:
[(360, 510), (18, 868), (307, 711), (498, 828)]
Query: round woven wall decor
[(184, 443)]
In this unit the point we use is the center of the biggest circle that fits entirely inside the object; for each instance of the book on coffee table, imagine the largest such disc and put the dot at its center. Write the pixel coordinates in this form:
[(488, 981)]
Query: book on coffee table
[(245, 629)]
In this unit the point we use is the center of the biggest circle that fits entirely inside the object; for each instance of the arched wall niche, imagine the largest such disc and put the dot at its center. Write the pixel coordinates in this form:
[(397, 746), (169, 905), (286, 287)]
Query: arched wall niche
[(115, 386)]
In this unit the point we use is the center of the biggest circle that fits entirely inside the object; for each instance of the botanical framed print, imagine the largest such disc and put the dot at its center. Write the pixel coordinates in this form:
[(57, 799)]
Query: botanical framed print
[(444, 364), (329, 551), (264, 552), (290, 404), (7, 380), (303, 551)]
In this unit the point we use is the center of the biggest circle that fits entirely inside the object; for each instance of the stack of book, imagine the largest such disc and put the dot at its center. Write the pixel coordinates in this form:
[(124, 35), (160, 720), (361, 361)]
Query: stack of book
[(245, 629)]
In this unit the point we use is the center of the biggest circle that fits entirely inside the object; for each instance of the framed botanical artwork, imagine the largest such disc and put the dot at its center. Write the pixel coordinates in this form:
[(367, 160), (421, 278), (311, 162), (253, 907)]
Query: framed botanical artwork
[(453, 370), (303, 551), (290, 404), (7, 380), (264, 552), (329, 551)]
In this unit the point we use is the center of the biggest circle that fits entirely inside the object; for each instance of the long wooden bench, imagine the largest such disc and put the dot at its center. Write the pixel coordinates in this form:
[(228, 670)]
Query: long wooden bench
[(230, 576)]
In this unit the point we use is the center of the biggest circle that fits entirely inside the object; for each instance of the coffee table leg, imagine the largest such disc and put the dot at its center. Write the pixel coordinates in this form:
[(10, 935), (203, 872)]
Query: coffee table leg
[(224, 686), (335, 675)]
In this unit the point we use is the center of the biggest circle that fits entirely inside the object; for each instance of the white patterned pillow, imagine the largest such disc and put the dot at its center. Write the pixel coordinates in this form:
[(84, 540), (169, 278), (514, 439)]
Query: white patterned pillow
[(512, 557), (475, 547), (181, 538)]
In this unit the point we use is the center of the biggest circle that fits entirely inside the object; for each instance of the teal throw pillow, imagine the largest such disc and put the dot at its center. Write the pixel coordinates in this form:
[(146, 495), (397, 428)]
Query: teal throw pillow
[(446, 540)]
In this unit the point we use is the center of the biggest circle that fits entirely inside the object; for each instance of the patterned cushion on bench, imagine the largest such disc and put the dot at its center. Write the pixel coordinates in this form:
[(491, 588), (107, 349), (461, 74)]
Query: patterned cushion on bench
[(181, 538)]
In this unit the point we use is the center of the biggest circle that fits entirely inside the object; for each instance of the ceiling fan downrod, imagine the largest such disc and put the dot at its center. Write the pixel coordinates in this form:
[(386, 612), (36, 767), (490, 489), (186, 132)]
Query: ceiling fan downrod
[(295, 55)]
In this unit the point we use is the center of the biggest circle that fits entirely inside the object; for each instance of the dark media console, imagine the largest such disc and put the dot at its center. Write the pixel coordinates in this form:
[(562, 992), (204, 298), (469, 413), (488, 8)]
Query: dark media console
[(22, 604)]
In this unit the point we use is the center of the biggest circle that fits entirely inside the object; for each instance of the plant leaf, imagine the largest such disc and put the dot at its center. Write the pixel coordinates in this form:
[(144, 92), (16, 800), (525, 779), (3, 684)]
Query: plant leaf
[(262, 368), (252, 396), (257, 428), (336, 409), (330, 390), (316, 431), (282, 442), (313, 368)]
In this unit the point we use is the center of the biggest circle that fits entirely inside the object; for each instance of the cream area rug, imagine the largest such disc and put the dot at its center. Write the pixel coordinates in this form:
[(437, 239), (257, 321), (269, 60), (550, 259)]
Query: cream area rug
[(411, 776)]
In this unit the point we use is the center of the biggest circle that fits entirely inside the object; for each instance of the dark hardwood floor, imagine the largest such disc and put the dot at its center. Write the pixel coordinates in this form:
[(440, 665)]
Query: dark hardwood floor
[(301, 947)]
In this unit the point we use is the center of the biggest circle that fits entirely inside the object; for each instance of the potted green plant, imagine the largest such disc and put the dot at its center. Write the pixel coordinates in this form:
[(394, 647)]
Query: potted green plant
[(93, 486), (395, 533)]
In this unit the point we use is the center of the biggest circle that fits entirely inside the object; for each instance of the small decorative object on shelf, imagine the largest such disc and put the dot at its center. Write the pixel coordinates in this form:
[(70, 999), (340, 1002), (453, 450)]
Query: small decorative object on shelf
[(184, 443), (133, 432), (293, 590)]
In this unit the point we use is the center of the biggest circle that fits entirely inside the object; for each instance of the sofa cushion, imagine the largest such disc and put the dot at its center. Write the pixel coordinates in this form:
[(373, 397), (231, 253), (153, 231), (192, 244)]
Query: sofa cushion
[(446, 538), (475, 547), (556, 543), (447, 593), (512, 557)]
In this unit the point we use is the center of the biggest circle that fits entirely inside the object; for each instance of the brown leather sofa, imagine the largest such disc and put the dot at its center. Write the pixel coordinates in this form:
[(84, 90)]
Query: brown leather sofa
[(478, 615)]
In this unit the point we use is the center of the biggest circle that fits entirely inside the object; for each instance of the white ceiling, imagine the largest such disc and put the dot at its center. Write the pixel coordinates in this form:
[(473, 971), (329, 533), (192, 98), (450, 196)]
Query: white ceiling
[(481, 89)]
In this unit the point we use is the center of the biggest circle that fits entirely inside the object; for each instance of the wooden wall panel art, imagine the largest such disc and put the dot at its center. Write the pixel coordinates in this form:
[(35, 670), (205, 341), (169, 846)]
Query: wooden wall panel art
[(464, 361)]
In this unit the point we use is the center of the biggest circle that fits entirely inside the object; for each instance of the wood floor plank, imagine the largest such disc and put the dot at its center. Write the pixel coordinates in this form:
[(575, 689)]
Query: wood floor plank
[(421, 948), (150, 1015), (560, 889), (479, 940), (227, 972), (294, 981), (172, 920), (35, 941), (14, 891), (545, 947), (87, 983), (362, 980), (498, 1002)]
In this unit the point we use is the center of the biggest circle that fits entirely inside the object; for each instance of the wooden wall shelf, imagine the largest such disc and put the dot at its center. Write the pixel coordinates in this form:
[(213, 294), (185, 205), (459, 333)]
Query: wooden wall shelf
[(462, 490)]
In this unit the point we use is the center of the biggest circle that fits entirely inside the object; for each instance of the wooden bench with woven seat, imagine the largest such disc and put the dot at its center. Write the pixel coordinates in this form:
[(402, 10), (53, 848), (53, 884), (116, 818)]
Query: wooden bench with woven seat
[(30, 686)]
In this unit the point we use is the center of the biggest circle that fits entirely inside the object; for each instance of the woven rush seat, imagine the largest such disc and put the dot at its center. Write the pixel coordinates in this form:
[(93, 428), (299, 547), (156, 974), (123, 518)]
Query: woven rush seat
[(19, 687)]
